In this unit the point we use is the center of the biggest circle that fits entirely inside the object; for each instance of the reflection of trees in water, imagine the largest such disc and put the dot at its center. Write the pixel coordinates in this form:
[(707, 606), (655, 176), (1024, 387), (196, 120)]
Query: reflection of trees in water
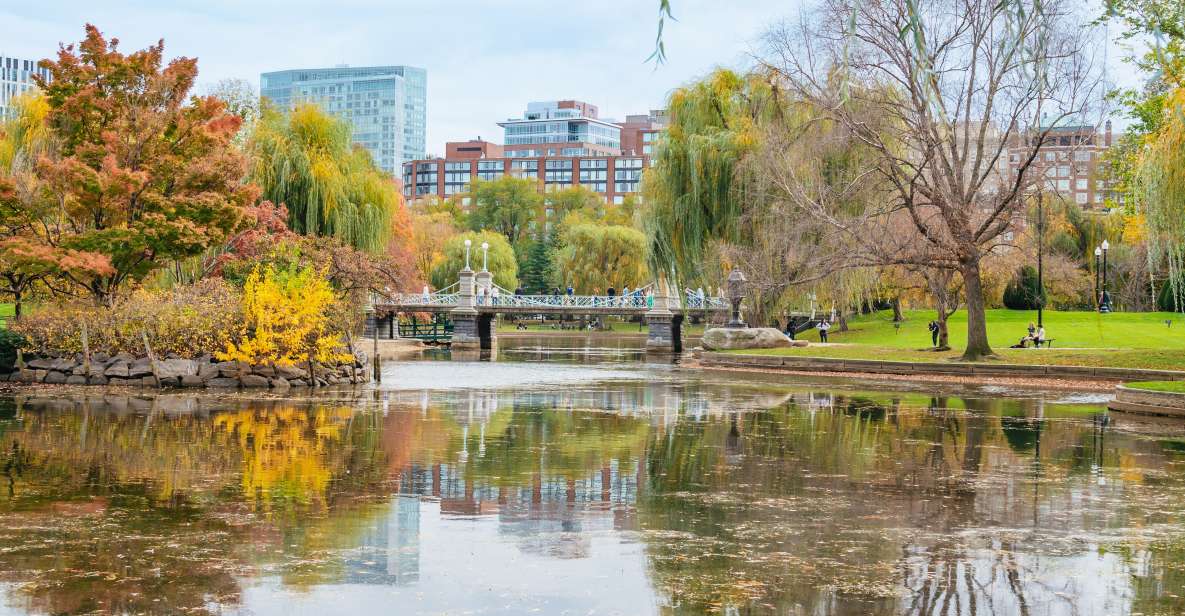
[(861, 509)]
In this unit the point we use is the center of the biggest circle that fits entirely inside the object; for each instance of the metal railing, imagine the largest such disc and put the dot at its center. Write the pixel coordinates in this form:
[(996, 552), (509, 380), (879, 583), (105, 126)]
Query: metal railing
[(504, 299)]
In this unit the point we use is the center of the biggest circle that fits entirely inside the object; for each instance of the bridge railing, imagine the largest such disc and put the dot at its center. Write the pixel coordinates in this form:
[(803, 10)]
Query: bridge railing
[(631, 302), (425, 299)]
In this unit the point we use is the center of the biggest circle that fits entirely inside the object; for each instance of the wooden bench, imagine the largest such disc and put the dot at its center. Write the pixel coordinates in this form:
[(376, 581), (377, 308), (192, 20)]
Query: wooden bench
[(1048, 342)]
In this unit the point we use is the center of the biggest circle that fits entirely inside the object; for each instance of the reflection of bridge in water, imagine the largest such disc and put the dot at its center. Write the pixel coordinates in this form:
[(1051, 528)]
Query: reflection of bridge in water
[(474, 303)]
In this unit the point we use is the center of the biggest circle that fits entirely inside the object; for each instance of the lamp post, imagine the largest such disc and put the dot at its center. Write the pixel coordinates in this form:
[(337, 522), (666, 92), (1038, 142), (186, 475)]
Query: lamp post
[(468, 243), (1040, 260), (1098, 259), (736, 293), (485, 256), (1105, 304)]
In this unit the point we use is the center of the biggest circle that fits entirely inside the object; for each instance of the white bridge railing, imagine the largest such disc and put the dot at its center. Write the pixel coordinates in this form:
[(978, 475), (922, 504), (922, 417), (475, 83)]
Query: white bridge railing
[(551, 302)]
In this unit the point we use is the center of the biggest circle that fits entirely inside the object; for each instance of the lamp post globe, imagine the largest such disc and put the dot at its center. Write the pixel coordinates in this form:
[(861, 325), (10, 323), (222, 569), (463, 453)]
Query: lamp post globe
[(737, 286), (485, 256), (468, 243)]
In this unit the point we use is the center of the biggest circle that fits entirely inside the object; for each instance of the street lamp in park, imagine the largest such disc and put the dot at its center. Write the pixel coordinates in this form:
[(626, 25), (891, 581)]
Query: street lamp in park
[(468, 243), (485, 256), (1105, 298), (737, 284), (1098, 270)]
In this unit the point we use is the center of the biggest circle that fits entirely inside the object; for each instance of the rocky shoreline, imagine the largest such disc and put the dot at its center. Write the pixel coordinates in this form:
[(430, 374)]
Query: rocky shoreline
[(175, 372)]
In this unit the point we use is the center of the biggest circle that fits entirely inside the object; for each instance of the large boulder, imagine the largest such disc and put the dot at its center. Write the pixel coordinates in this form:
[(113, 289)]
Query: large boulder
[(176, 368), (725, 338)]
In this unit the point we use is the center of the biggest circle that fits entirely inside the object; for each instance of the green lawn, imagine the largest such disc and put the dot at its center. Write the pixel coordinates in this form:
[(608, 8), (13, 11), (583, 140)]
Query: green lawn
[(1120, 340), (1177, 387), (1118, 330)]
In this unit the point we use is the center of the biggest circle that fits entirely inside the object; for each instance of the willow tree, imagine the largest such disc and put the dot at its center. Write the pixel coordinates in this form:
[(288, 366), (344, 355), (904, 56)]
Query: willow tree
[(692, 192), (1161, 178), (305, 160)]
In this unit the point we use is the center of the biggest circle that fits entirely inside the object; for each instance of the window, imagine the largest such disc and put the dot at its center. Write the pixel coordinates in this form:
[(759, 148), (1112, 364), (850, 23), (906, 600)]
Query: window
[(461, 166), (1049, 156), (489, 169), (1081, 156), (1081, 184), (618, 199), (1080, 198), (1063, 171), (1063, 185), (558, 172)]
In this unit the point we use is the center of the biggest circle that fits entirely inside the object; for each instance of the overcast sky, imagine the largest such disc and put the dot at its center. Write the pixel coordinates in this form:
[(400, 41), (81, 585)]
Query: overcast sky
[(485, 58)]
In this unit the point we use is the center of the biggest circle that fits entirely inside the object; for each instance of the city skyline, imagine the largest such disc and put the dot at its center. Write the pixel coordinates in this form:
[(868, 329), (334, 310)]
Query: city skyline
[(482, 68)]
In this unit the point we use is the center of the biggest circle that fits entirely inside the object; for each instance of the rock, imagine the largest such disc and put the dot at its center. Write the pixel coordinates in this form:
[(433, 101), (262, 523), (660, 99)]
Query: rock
[(176, 368), (297, 383), (207, 371), (232, 369), (100, 358), (140, 368), (42, 363), (280, 384), (170, 381), (147, 381), (799, 343), (262, 370), (254, 380), (117, 381), (223, 382), (76, 379), (118, 369), (192, 380), (63, 365), (55, 378), (96, 380), (724, 338), (290, 372)]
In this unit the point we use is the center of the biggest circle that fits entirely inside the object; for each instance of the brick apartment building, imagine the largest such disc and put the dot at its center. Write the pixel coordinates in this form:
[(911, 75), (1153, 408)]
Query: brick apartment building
[(1070, 160), (559, 144)]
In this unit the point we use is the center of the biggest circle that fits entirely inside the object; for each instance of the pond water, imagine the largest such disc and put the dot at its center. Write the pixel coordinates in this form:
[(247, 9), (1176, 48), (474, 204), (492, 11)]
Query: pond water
[(565, 478)]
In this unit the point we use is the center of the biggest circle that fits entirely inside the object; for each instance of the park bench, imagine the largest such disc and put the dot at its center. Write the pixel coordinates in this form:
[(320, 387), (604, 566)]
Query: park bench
[(1048, 342)]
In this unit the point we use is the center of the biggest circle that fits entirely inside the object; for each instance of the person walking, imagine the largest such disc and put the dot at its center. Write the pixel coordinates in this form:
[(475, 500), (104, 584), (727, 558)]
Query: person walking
[(823, 327), (933, 327)]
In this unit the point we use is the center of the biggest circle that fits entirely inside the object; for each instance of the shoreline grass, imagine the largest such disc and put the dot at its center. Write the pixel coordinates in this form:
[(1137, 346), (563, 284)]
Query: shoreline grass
[(1175, 387)]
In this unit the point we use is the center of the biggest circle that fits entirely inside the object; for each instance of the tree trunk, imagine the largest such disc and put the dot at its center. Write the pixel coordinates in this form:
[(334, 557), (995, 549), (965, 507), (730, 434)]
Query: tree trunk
[(843, 322), (896, 303), (977, 339), (943, 333), (16, 304)]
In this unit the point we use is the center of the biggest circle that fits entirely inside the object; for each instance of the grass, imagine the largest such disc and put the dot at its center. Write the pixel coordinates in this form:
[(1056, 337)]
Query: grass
[(1121, 340), (1176, 387)]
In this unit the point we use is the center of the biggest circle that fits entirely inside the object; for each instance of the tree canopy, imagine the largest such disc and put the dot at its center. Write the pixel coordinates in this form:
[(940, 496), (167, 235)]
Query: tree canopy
[(502, 262)]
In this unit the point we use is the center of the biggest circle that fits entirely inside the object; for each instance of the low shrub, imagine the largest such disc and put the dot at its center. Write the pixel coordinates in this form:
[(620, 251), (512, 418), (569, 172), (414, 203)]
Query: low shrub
[(10, 343), (188, 321)]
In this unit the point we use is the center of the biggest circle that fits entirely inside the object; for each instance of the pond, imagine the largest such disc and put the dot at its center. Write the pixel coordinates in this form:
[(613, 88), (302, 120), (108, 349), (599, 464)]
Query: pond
[(588, 481)]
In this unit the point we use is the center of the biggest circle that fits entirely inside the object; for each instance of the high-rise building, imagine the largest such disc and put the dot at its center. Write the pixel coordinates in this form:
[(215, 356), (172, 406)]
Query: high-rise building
[(16, 77), (387, 106), (558, 144)]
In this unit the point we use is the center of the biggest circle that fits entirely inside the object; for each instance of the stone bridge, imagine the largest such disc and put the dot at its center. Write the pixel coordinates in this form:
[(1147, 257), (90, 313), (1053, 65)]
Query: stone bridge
[(474, 303)]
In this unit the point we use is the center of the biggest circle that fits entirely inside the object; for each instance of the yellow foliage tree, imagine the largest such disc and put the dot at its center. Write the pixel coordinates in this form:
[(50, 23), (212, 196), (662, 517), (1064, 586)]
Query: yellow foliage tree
[(286, 319)]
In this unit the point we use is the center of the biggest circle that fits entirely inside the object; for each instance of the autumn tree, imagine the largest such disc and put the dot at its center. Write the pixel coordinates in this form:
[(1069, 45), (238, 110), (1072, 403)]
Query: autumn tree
[(142, 173), (943, 93), (507, 205), (26, 257), (602, 256)]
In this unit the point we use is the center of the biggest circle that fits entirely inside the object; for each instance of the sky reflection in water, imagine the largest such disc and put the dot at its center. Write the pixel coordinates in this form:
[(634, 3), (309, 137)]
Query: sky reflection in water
[(618, 488)]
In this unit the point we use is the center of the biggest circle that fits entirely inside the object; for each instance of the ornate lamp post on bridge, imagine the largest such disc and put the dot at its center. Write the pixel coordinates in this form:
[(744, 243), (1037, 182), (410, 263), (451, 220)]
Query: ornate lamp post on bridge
[(485, 256), (468, 243), (736, 293)]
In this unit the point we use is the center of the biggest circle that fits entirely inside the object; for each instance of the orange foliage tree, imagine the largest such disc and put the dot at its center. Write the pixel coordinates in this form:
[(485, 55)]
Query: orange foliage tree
[(141, 173)]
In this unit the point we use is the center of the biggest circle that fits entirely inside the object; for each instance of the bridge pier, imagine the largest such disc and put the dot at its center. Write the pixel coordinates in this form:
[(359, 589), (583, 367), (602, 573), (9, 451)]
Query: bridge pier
[(664, 328), (465, 329)]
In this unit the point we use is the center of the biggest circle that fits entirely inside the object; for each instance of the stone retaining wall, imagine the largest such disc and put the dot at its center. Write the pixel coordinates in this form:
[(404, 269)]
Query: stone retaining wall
[(180, 372), (826, 364), (1149, 402)]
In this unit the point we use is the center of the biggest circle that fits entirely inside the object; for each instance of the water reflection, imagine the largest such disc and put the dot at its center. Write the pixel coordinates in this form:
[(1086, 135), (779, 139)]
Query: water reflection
[(668, 495)]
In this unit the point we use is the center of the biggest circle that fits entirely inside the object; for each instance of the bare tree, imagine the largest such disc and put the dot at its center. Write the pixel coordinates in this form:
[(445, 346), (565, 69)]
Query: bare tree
[(943, 92)]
